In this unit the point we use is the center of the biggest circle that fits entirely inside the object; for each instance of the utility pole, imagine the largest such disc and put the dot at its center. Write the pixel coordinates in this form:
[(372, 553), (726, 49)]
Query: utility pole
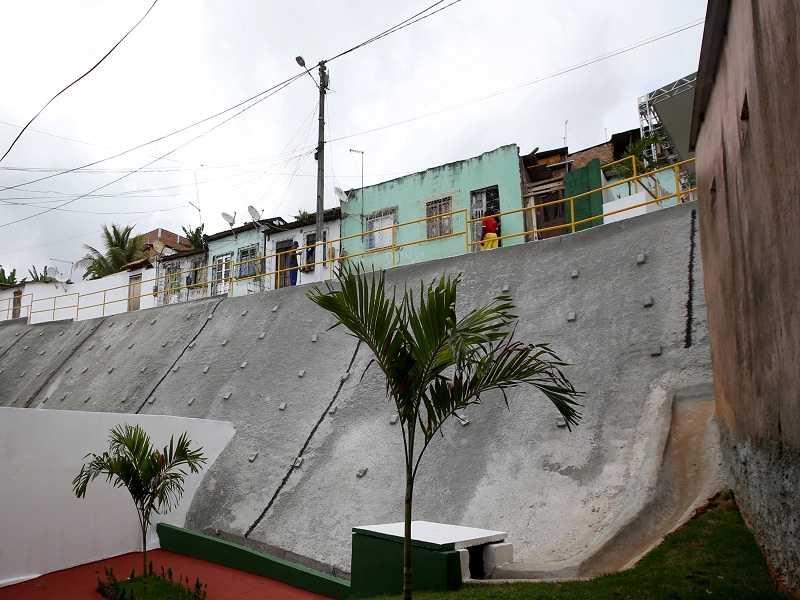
[(323, 86)]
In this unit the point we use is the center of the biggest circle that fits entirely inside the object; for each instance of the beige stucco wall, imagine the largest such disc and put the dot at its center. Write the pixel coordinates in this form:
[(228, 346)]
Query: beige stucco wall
[(749, 206)]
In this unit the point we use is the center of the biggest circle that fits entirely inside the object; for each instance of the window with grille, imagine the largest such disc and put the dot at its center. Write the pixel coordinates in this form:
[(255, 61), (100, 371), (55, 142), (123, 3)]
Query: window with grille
[(247, 256), (221, 273), (441, 225), (377, 236), (173, 277), (196, 276), (311, 252)]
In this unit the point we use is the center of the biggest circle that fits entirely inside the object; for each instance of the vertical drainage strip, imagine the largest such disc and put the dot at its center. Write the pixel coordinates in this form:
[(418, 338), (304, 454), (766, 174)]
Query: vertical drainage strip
[(303, 449), (690, 298)]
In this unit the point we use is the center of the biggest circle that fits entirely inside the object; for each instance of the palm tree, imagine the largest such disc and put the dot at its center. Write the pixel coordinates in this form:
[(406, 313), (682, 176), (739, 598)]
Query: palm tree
[(195, 237), (120, 249), (643, 151), (42, 277), (436, 364), (153, 478)]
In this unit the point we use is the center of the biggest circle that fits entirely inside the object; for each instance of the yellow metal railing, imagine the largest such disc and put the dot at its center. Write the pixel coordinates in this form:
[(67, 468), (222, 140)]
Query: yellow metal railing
[(206, 286)]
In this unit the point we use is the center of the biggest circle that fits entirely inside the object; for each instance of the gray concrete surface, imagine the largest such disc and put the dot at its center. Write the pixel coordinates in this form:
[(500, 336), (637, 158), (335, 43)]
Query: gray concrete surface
[(557, 493)]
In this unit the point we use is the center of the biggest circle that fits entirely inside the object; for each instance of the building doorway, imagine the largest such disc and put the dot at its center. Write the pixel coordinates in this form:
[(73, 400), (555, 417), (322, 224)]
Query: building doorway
[(480, 201), (134, 292), (16, 309), (282, 250)]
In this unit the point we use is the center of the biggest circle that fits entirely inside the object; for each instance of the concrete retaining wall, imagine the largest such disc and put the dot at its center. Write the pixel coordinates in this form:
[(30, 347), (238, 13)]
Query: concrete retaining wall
[(268, 364)]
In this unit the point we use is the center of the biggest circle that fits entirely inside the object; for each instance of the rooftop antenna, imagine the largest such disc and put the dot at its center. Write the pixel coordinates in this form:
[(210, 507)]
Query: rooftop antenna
[(256, 216), (71, 267), (158, 246), (57, 276), (231, 220)]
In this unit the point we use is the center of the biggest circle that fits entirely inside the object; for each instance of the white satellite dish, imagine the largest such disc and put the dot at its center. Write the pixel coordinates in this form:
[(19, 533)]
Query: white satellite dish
[(254, 213), (61, 278), (340, 194), (158, 246), (230, 219), (52, 272)]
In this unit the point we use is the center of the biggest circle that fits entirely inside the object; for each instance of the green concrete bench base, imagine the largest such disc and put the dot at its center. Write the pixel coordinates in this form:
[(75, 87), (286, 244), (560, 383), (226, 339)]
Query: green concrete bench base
[(197, 545)]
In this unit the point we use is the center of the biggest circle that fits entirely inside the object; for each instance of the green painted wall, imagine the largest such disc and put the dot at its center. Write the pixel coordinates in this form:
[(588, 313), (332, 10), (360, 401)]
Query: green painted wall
[(583, 180), (410, 194), (377, 566), (229, 554)]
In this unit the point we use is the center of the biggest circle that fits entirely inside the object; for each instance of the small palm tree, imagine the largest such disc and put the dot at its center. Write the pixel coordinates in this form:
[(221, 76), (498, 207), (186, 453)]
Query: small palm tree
[(121, 248), (153, 478), (195, 237), (436, 364), (42, 277)]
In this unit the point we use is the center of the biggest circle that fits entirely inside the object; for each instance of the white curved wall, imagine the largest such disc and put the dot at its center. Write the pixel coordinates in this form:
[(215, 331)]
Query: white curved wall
[(45, 527)]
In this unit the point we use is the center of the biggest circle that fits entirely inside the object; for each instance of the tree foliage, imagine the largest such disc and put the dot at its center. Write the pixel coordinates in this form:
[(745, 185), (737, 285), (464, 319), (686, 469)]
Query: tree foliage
[(195, 236), (42, 277), (121, 248), (154, 478), (10, 278), (436, 364)]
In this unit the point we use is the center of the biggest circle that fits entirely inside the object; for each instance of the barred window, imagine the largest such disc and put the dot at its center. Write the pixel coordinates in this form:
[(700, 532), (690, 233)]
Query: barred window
[(442, 225), (248, 253), (377, 221)]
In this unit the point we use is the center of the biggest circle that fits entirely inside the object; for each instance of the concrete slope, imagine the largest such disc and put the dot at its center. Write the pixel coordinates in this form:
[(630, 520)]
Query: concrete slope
[(622, 303), (120, 359), (555, 492)]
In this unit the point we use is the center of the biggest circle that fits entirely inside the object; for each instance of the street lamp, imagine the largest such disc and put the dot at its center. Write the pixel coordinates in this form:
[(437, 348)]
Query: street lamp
[(322, 86)]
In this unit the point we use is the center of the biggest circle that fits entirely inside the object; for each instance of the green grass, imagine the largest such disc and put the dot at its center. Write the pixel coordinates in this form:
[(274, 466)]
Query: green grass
[(712, 556)]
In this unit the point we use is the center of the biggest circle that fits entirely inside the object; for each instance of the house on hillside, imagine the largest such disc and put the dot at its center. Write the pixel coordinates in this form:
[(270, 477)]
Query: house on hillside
[(429, 215), (40, 302), (181, 277), (256, 256)]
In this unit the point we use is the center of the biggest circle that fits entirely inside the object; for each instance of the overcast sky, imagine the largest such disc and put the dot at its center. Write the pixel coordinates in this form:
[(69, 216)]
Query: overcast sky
[(412, 100)]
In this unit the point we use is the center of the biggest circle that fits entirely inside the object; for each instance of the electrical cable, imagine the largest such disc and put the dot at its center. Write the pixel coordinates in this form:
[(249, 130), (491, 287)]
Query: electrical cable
[(77, 80), (151, 162), (533, 81)]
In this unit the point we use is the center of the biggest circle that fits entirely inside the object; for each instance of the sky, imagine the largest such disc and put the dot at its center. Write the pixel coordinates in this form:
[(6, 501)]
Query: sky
[(472, 77)]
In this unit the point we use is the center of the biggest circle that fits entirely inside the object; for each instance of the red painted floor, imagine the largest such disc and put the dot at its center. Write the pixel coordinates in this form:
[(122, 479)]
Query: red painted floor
[(224, 583)]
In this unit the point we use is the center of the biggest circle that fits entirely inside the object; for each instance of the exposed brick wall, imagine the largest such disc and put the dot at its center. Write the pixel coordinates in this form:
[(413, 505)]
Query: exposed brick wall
[(173, 240), (605, 152)]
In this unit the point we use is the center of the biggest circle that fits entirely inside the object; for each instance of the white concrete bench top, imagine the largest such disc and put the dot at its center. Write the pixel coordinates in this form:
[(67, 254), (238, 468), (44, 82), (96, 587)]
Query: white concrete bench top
[(435, 535)]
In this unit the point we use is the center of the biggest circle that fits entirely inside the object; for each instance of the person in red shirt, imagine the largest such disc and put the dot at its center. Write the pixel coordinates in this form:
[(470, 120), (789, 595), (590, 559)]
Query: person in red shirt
[(489, 227)]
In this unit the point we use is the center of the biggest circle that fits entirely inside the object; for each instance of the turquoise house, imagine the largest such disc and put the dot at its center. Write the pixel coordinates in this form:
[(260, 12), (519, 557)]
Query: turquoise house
[(425, 216)]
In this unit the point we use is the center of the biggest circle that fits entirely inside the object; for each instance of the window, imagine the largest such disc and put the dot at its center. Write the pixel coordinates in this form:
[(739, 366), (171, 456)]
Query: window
[(439, 226), (173, 273), (196, 276), (311, 239), (248, 265), (222, 273), (378, 221)]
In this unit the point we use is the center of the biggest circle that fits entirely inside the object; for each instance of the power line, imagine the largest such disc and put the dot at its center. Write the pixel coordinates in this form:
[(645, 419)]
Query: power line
[(410, 21), (276, 90), (19, 135), (533, 81)]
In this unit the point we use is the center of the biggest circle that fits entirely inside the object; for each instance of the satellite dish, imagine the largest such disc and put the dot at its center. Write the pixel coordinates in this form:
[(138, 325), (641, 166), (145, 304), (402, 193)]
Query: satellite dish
[(230, 219), (253, 213), (52, 272), (158, 246), (340, 194), (61, 278)]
